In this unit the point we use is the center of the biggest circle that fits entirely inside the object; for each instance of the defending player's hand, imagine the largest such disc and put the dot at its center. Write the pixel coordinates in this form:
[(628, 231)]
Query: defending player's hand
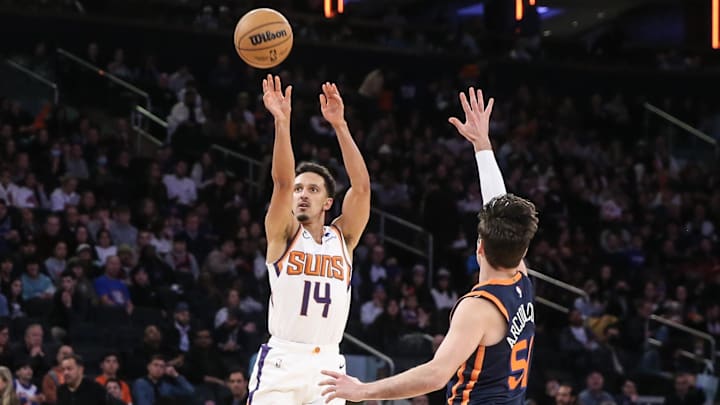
[(342, 386), (477, 119), (331, 104), (276, 102)]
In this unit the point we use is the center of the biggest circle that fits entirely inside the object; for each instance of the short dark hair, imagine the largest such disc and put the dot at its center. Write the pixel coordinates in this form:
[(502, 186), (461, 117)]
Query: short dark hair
[(156, 357), (76, 357), (321, 171), (506, 226), (236, 370), (110, 354)]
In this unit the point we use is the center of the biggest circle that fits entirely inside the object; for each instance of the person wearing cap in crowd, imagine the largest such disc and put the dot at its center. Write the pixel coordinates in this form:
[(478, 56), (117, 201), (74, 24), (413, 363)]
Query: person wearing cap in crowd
[(178, 333), (443, 296)]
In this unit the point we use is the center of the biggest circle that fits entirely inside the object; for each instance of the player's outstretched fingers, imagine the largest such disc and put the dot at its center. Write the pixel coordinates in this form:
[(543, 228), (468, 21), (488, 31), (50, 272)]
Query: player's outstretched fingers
[(333, 374)]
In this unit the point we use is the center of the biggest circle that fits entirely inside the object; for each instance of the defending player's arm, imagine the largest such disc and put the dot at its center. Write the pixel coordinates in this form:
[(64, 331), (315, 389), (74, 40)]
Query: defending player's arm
[(279, 221), (472, 318), (356, 206), (476, 129)]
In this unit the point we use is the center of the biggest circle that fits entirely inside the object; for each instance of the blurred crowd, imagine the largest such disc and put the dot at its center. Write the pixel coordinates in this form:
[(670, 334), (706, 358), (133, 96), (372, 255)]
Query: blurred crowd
[(119, 256)]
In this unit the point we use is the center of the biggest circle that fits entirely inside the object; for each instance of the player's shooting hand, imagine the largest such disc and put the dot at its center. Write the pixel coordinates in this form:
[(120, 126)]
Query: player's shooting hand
[(275, 101), (342, 386), (331, 104), (477, 119)]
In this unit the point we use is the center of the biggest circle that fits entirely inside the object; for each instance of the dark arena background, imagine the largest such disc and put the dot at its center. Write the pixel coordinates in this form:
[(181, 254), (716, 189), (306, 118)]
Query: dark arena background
[(128, 229)]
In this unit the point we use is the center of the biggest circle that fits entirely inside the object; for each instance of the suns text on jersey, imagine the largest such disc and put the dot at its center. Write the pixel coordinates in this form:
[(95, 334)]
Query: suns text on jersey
[(524, 314), (317, 265)]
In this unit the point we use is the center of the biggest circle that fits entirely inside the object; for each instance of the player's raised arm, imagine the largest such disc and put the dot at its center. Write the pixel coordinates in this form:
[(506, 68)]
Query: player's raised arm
[(356, 206), (476, 129), (279, 221), (472, 320)]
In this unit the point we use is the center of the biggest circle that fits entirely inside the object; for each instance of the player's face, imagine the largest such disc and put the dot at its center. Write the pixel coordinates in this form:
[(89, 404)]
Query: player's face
[(310, 196)]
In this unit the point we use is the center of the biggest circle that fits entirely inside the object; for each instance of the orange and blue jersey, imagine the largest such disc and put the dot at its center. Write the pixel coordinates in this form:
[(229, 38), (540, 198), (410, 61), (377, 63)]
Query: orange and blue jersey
[(498, 374)]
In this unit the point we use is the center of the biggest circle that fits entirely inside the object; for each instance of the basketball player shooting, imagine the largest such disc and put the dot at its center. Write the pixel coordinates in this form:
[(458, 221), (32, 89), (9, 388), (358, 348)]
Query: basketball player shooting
[(309, 264), (486, 353)]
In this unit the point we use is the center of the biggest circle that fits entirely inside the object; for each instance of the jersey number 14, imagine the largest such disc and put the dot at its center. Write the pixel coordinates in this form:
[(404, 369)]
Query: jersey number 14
[(320, 299)]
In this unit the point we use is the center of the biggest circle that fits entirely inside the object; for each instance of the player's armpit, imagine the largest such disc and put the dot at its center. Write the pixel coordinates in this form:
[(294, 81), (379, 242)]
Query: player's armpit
[(280, 223), (469, 328)]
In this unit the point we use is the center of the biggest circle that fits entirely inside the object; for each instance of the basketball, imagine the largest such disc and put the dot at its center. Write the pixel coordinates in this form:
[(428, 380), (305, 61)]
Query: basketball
[(263, 38)]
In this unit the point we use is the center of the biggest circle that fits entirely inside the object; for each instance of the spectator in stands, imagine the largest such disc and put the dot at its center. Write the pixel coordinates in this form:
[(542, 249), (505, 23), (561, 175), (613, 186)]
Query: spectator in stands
[(16, 303), (55, 377), (56, 263), (577, 342), (32, 351), (593, 394), (232, 301), (204, 366), (110, 290), (221, 262), (8, 189), (685, 393), (238, 385), (197, 240), (50, 236), (186, 115), (629, 394), (7, 388), (112, 386), (31, 194), (65, 195), (142, 293), (109, 367), (232, 335), (77, 388), (177, 334), (388, 327), (565, 395), (444, 297), (75, 164), (105, 247), (35, 284), (181, 189), (370, 310), (121, 230), (24, 387), (182, 262), (161, 382)]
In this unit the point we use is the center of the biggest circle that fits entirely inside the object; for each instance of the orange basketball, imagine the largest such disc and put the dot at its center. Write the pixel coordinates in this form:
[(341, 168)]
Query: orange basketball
[(263, 38)]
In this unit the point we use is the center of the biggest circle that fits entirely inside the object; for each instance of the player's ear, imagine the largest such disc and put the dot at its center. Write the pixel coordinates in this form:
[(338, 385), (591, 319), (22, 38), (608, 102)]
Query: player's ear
[(328, 203), (480, 250)]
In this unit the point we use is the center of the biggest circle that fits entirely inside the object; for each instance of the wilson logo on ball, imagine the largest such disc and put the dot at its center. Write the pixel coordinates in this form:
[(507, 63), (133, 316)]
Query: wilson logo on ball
[(267, 36)]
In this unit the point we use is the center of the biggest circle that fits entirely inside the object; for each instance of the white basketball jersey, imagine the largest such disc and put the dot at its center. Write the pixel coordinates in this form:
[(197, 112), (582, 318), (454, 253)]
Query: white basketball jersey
[(310, 289)]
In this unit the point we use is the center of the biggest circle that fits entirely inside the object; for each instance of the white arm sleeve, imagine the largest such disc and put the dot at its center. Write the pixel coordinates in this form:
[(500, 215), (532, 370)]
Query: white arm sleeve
[(491, 181)]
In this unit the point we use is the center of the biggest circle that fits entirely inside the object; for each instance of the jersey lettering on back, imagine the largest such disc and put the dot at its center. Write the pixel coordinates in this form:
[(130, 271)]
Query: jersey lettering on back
[(310, 286), (498, 374)]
